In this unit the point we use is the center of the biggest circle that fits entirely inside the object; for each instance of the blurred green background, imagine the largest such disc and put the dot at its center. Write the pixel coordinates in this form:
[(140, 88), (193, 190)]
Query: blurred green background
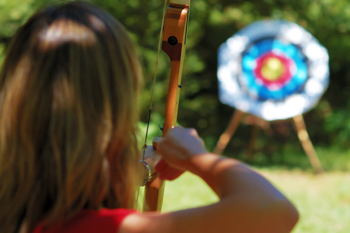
[(324, 201), (212, 22)]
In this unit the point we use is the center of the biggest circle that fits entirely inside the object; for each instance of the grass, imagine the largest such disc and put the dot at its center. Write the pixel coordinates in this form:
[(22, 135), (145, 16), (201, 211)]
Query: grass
[(323, 201)]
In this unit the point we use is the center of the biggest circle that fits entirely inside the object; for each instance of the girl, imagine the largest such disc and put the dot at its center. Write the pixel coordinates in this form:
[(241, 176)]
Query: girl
[(69, 87)]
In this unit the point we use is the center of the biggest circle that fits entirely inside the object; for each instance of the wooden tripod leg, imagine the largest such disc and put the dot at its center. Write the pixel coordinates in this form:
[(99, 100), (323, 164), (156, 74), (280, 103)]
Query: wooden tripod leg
[(306, 143), (227, 135)]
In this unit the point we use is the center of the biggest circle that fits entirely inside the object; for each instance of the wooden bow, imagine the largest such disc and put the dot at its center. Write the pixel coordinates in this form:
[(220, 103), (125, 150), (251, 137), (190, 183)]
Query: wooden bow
[(174, 45)]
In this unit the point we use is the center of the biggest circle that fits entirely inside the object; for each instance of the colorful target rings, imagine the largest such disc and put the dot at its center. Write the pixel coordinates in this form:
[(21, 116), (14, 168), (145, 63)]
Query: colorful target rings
[(272, 69)]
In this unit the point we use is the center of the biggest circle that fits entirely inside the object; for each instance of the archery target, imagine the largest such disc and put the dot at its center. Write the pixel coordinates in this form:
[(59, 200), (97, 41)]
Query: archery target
[(272, 69)]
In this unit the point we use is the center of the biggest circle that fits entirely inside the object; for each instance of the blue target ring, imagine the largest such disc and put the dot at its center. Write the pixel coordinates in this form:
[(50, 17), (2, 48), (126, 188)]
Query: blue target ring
[(297, 64)]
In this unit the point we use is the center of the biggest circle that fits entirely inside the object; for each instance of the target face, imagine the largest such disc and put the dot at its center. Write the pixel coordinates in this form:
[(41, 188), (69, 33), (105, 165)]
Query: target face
[(272, 69)]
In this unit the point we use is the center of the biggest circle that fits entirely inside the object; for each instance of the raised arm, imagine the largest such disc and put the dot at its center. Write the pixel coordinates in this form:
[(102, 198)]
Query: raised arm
[(248, 202)]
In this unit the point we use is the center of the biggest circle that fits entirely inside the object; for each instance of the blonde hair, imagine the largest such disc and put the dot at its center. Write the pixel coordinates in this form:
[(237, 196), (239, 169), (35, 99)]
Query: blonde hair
[(68, 117)]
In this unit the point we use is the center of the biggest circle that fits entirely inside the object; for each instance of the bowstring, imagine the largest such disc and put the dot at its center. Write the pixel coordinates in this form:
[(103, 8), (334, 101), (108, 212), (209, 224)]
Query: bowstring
[(154, 77), (144, 147)]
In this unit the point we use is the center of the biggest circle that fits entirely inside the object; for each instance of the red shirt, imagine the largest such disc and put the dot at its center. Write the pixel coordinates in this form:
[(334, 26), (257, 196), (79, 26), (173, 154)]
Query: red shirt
[(90, 221)]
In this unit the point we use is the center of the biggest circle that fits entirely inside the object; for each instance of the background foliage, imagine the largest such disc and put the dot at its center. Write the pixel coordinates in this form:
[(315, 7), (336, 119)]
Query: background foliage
[(211, 23)]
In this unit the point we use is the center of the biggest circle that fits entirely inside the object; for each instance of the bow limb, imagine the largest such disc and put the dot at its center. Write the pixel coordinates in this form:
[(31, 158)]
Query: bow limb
[(174, 45)]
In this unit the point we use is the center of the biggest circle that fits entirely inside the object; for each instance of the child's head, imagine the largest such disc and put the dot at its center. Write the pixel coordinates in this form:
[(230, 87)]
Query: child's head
[(68, 114)]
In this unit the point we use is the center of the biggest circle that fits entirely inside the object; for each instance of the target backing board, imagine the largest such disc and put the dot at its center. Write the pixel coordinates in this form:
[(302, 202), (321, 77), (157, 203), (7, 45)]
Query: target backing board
[(272, 69)]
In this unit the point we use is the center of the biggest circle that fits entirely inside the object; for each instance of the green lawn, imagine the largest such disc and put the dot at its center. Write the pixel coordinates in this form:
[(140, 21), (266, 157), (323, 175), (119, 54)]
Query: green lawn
[(323, 201)]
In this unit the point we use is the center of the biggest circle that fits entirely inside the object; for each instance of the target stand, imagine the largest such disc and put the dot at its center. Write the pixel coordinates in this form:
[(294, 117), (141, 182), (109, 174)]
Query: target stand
[(299, 126), (273, 70)]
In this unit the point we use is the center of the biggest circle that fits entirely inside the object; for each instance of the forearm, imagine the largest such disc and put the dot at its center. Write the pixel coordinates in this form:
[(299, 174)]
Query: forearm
[(244, 191), (226, 176)]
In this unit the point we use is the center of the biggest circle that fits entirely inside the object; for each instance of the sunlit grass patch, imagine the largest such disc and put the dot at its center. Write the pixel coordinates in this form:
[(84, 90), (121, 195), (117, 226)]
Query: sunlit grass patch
[(323, 201), (186, 192)]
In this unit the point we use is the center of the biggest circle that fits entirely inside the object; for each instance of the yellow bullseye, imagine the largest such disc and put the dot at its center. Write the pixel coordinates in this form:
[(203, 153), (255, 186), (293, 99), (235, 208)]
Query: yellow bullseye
[(272, 69)]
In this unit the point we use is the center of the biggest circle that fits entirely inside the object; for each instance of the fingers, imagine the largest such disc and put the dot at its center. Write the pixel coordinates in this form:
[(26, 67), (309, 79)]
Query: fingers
[(173, 174), (166, 172), (179, 138), (192, 132), (149, 151), (161, 166), (177, 149)]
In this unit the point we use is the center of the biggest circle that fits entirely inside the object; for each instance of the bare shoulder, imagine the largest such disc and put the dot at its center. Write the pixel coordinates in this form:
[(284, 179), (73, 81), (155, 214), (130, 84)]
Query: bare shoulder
[(146, 222), (184, 221)]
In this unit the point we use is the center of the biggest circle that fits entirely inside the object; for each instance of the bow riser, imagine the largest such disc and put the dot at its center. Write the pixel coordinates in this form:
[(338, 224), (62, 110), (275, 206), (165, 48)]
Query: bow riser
[(174, 45), (176, 21)]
